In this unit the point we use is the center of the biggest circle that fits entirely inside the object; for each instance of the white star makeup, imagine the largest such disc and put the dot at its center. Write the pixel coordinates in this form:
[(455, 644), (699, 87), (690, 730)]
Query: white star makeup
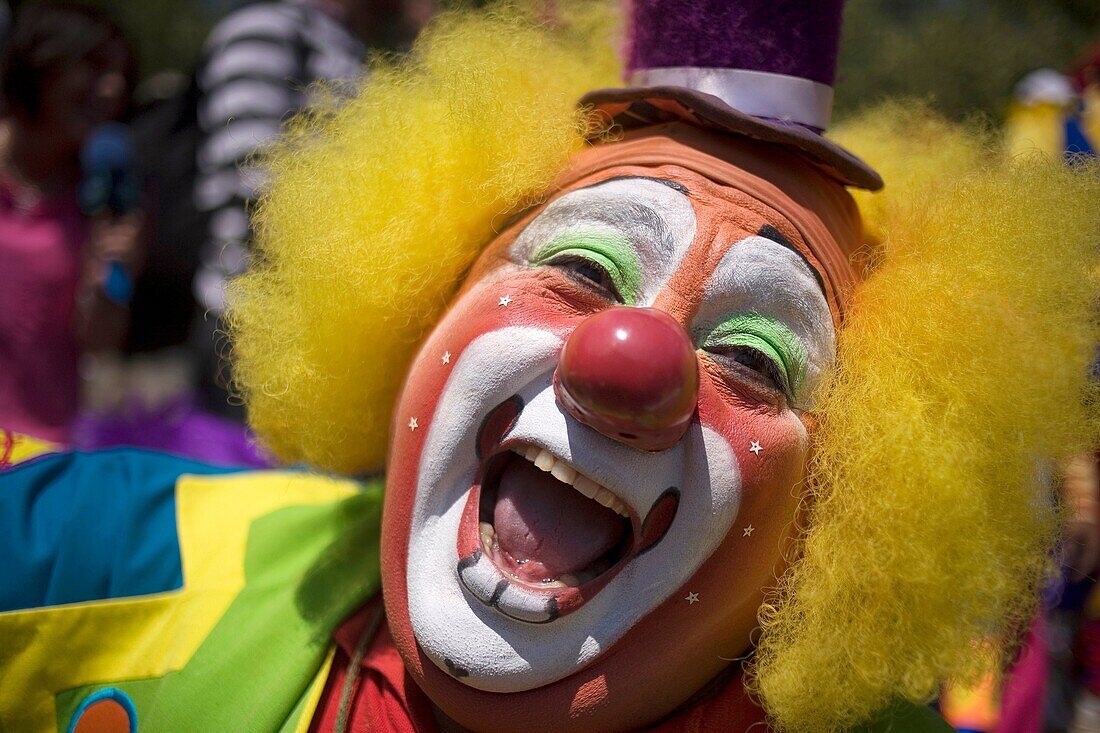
[(747, 532), (755, 447), (446, 357), (692, 598), (505, 300), (412, 424)]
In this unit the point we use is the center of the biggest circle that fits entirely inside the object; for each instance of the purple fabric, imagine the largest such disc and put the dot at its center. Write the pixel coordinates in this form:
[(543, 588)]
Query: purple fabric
[(797, 38), (179, 428)]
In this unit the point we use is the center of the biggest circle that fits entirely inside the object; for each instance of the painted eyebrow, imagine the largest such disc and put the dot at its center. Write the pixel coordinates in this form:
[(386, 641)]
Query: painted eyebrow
[(657, 224), (770, 232), (628, 217), (674, 185)]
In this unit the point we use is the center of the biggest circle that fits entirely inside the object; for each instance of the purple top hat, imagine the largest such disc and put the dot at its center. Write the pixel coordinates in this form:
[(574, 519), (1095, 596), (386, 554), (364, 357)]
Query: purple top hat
[(758, 68)]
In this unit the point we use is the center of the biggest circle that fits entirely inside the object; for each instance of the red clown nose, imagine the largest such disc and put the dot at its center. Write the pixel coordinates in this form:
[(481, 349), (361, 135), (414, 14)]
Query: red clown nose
[(631, 374)]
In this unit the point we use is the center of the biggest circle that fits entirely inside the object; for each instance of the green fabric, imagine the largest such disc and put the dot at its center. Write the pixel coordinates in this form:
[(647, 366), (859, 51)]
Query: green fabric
[(611, 251), (295, 717), (306, 569), (905, 717)]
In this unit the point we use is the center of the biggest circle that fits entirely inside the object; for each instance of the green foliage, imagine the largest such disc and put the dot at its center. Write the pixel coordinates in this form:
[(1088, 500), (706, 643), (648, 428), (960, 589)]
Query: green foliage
[(962, 55)]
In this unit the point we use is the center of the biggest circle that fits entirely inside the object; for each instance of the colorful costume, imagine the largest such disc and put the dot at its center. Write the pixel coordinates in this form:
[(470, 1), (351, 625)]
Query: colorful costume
[(212, 578), (598, 459)]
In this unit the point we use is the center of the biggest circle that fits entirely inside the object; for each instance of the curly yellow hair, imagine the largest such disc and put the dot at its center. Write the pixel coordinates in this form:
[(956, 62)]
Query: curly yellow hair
[(962, 367), (378, 208), (962, 359)]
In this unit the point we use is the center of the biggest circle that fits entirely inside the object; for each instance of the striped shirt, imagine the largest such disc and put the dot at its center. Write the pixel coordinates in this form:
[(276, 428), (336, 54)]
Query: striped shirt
[(259, 63)]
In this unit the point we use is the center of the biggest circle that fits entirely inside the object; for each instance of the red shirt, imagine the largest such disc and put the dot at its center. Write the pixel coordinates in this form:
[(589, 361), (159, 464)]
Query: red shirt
[(386, 700)]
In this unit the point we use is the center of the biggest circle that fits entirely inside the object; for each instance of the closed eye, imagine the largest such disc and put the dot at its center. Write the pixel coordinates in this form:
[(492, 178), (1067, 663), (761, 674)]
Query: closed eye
[(589, 273), (748, 364), (758, 348), (602, 260)]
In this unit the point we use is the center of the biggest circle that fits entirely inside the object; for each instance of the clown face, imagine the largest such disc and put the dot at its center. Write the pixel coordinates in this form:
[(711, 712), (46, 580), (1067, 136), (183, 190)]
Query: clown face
[(592, 478)]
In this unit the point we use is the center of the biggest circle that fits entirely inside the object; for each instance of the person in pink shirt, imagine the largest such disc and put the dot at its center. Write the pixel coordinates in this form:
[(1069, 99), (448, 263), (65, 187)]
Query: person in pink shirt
[(65, 71)]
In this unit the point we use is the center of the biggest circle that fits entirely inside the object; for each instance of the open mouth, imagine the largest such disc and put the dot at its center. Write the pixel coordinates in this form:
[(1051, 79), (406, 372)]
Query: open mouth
[(539, 537), (545, 524)]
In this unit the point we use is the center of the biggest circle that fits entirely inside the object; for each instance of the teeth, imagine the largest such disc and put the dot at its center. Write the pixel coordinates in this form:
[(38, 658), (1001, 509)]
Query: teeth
[(586, 486), (605, 497), (610, 501), (570, 580), (565, 473), (544, 460), (488, 534)]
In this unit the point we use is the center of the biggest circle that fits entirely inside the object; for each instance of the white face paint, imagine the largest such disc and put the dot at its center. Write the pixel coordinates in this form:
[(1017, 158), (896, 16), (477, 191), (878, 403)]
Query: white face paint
[(503, 654), (657, 221), (494, 634), (452, 625), (758, 275)]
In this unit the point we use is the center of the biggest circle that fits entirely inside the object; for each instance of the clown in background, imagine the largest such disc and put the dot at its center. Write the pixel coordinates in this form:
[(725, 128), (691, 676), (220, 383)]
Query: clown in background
[(678, 425), (1057, 114)]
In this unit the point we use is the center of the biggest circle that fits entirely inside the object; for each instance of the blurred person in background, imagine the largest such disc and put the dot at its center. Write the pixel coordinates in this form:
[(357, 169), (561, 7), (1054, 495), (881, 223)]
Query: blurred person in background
[(1055, 113), (65, 72), (1085, 72), (1082, 476), (261, 63), (1054, 683)]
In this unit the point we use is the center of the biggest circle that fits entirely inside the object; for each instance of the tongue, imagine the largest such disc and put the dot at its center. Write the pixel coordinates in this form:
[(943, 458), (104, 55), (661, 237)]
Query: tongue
[(548, 528)]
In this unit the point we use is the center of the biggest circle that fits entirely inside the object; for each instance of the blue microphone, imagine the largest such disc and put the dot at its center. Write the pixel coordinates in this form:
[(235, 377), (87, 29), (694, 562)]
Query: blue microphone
[(109, 185)]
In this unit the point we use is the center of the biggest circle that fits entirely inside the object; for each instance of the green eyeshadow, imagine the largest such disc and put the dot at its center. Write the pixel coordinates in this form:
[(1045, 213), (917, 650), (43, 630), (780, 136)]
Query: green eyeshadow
[(609, 250), (766, 335)]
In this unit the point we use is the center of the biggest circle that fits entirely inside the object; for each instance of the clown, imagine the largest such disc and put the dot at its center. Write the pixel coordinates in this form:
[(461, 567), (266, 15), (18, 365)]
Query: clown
[(671, 458)]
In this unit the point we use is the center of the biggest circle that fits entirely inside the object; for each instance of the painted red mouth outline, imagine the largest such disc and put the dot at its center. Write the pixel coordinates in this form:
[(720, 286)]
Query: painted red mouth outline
[(558, 601)]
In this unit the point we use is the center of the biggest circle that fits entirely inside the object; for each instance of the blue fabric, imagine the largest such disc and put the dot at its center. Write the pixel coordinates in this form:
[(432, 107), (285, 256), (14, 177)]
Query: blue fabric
[(107, 693), (1076, 141), (89, 526)]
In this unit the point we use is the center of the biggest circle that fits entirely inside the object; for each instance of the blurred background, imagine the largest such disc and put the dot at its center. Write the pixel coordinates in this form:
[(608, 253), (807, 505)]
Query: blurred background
[(965, 54), (129, 133)]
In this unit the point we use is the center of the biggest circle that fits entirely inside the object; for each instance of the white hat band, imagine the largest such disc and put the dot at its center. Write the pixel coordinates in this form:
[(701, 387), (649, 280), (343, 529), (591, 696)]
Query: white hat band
[(756, 93)]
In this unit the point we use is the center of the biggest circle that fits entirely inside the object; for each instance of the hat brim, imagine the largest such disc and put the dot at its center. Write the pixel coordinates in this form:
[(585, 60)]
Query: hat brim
[(631, 107)]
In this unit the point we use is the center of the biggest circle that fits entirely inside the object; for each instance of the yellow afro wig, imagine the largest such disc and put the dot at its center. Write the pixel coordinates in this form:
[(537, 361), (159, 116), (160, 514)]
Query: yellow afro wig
[(962, 361), (962, 367), (378, 207)]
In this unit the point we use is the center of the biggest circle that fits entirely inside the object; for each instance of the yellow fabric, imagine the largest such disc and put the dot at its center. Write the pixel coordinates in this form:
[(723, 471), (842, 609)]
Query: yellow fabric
[(25, 447), (1039, 127), (158, 633), (313, 695)]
